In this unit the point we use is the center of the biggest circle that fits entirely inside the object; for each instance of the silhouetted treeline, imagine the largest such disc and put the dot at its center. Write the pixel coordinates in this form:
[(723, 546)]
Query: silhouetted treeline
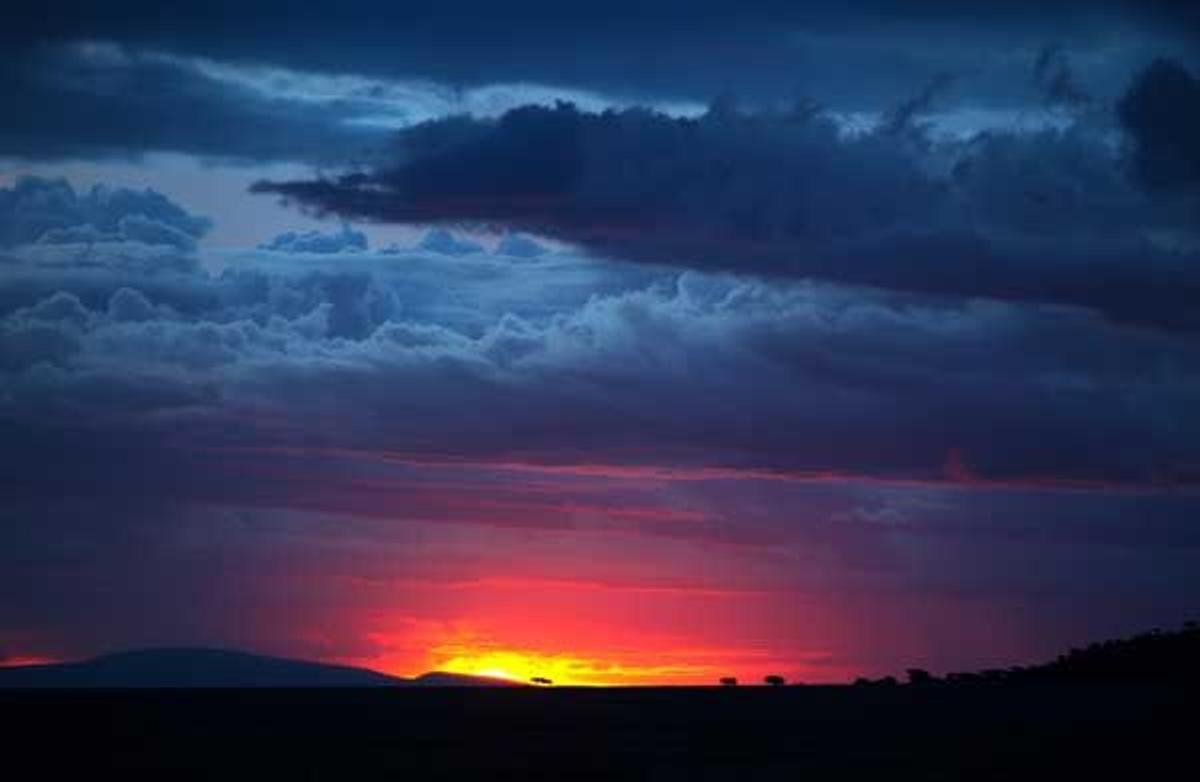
[(1158, 654), (1172, 655)]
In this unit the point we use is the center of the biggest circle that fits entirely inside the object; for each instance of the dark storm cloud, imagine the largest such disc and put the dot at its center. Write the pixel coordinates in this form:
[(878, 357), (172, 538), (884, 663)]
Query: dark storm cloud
[(766, 49), (1047, 215), (94, 100), (1161, 112), (121, 79)]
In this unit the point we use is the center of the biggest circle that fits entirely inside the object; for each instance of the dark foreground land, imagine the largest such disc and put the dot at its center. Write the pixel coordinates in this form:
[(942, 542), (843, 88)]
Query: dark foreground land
[(975, 731)]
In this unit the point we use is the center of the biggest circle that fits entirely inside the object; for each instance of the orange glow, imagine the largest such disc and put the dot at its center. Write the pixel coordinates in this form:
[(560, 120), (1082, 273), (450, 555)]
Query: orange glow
[(565, 669), (602, 629), (16, 662), (570, 654)]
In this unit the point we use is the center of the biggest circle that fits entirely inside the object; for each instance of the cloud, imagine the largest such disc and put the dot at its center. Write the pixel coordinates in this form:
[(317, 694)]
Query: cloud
[(488, 362), (1053, 73), (131, 306), (862, 52), (1046, 216), (399, 427), (1161, 113), (100, 100), (95, 99), (519, 246), (439, 240), (111, 86), (344, 240), (872, 358), (51, 211), (138, 228)]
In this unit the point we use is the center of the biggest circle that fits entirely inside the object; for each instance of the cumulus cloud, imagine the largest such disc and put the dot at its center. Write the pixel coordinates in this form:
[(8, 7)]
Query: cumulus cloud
[(47, 332), (346, 239), (519, 246), (51, 211), (629, 368), (128, 305), (1047, 216), (439, 240)]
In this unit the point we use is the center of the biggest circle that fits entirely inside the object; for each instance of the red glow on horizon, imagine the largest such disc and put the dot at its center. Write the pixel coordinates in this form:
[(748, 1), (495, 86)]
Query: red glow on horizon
[(19, 661), (592, 633)]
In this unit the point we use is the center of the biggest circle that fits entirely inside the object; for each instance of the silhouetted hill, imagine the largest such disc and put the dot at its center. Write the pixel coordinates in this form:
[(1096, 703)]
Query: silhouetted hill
[(444, 679), (1120, 710), (168, 668)]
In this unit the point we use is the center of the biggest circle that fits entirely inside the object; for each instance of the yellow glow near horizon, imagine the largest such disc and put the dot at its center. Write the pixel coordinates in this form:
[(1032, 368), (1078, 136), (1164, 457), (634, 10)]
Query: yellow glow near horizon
[(524, 666)]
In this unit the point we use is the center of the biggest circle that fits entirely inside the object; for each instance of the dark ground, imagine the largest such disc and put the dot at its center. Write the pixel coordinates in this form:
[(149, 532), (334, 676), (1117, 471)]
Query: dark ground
[(1019, 731)]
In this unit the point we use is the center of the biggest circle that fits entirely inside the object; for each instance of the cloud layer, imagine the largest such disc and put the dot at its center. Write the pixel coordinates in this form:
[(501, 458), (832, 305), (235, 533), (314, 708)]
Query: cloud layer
[(861, 51), (396, 426), (1055, 216), (888, 357), (513, 364)]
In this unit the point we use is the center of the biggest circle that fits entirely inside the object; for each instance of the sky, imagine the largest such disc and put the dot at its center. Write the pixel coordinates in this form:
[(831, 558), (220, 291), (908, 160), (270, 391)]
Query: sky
[(611, 342)]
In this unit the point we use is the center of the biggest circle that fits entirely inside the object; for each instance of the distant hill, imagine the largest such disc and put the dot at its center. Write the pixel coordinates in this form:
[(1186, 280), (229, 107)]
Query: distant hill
[(444, 679), (167, 668)]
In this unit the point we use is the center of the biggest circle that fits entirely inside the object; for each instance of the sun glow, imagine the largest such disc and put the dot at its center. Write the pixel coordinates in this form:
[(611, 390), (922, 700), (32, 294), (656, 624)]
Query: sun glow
[(561, 669), (526, 666), (19, 661)]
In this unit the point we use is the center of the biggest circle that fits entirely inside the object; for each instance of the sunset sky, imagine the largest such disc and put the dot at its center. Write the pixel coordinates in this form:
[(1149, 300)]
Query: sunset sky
[(613, 342)]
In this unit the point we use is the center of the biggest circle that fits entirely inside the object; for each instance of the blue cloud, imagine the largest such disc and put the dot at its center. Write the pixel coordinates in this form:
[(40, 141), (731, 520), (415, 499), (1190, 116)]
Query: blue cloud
[(51, 211), (1046, 216), (1161, 112), (441, 241), (575, 359), (519, 246), (346, 239)]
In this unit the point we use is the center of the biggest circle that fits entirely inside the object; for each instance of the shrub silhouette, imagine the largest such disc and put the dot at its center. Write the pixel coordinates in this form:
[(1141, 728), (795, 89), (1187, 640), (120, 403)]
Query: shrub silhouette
[(919, 676), (774, 681), (729, 681)]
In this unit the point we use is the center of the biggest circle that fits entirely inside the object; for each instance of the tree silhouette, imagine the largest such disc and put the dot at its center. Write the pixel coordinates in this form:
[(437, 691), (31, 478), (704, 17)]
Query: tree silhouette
[(774, 680), (542, 680), (729, 681), (919, 676), (1154, 655)]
